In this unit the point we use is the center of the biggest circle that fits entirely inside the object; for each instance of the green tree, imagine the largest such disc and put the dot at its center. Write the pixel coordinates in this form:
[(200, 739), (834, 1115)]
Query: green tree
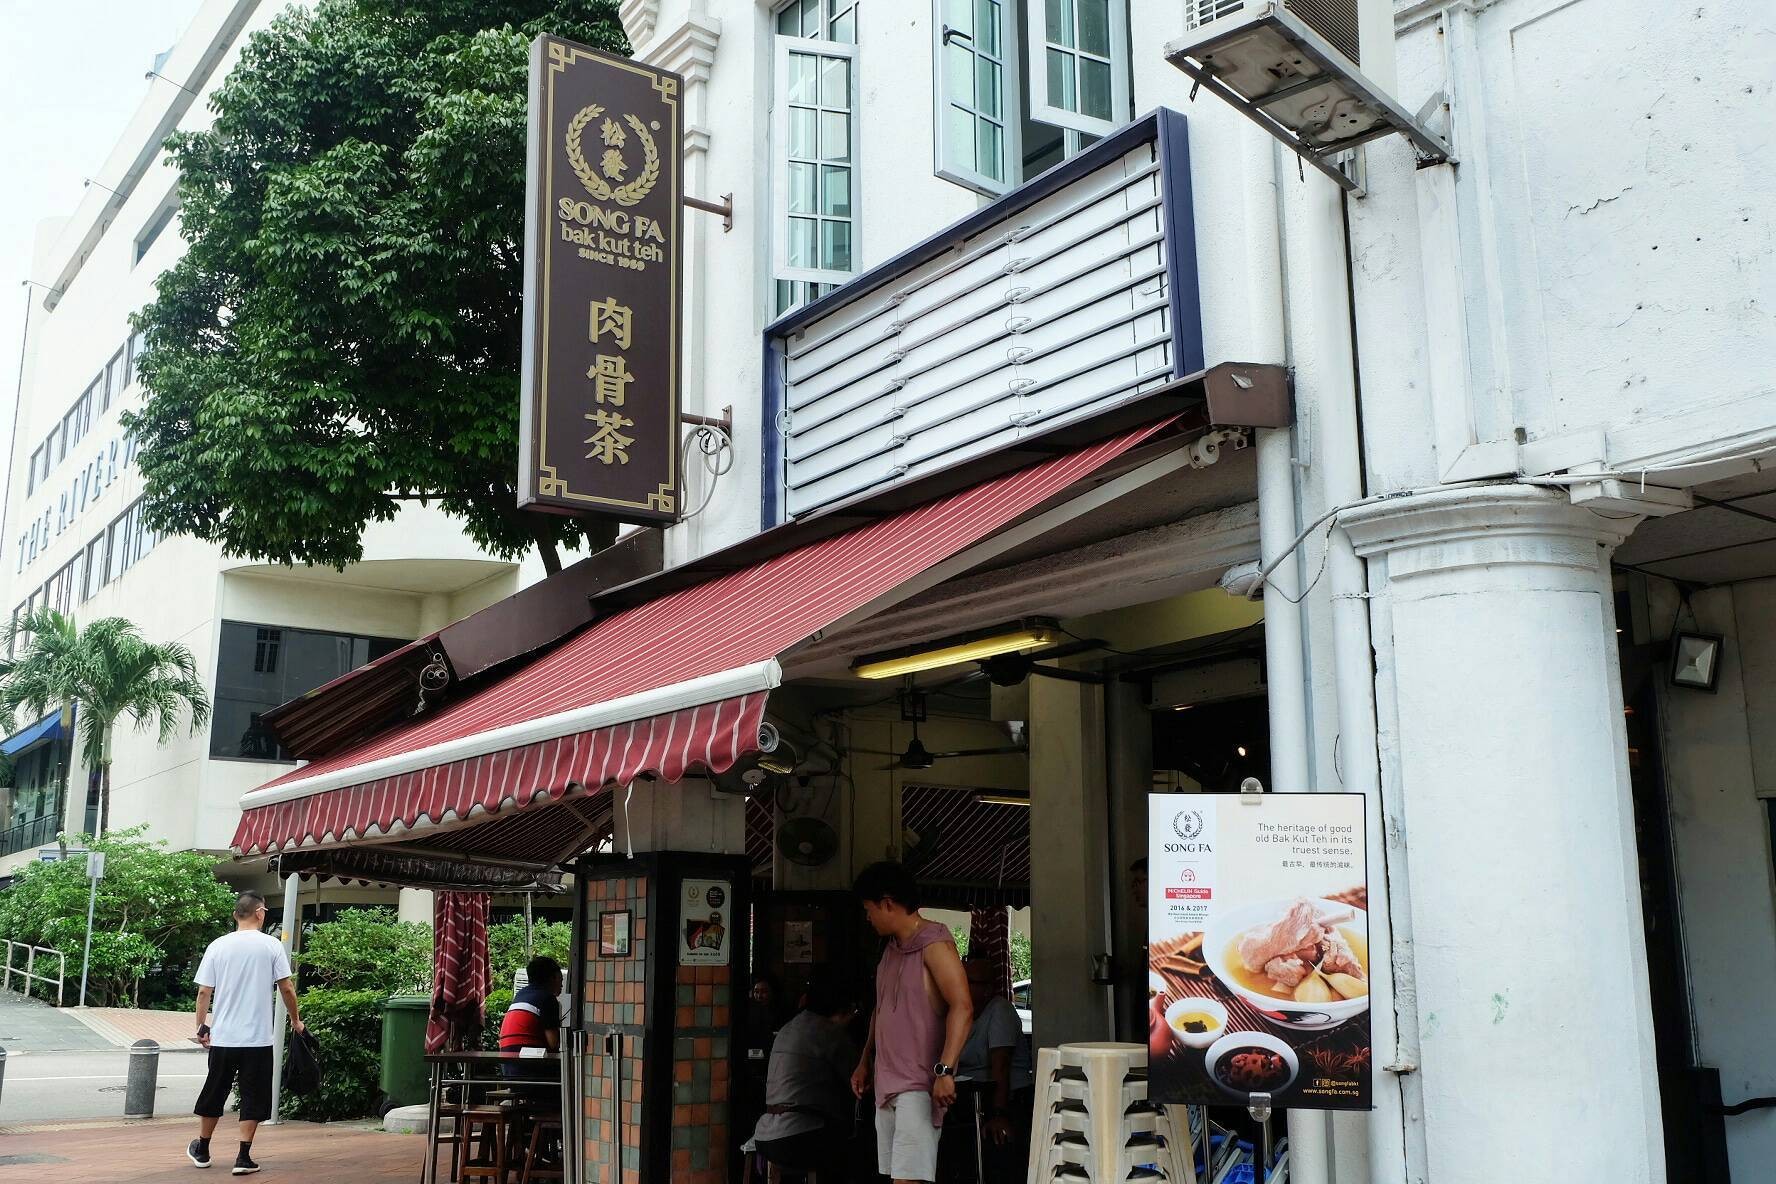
[(343, 333), (156, 911), (367, 950), (108, 670), (505, 948)]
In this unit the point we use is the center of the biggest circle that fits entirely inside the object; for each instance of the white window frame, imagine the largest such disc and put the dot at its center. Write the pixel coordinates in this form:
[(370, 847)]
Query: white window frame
[(780, 268), (1010, 105), (1036, 68)]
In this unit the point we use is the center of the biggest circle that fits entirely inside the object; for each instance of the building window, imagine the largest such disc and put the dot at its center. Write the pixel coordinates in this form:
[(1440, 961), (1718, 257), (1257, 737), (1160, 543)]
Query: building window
[(976, 130), (133, 353), (1077, 62), (120, 539), (998, 119), (259, 667), (814, 146), (116, 378), (830, 20), (31, 476), (96, 574), (816, 132), (159, 222)]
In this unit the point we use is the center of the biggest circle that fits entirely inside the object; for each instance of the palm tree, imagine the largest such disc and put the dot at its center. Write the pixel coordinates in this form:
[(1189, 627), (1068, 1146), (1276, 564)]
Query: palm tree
[(110, 670)]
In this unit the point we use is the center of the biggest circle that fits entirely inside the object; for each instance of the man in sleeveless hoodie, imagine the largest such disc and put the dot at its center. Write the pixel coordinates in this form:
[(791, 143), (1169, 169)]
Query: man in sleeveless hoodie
[(922, 1019)]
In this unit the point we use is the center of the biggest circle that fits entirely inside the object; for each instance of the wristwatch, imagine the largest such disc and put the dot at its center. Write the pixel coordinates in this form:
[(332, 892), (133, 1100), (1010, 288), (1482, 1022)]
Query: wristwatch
[(942, 1070)]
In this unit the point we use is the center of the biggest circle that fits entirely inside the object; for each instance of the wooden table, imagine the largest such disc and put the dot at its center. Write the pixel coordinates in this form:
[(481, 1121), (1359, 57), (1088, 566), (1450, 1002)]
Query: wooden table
[(470, 1060)]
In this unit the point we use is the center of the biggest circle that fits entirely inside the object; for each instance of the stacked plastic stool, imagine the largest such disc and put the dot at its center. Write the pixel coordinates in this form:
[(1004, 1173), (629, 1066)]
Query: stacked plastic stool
[(1093, 1122)]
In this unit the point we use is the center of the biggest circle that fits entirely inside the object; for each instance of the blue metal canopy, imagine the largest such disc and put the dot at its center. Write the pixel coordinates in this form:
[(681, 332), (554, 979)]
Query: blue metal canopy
[(47, 728)]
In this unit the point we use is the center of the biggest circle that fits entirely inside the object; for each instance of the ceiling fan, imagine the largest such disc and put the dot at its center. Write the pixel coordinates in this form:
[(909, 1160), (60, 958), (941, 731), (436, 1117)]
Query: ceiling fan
[(916, 756)]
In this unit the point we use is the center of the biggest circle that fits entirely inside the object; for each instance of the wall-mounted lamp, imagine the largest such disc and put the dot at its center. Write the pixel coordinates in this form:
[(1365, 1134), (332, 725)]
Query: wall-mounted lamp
[(1033, 633), (1695, 661), (1002, 799)]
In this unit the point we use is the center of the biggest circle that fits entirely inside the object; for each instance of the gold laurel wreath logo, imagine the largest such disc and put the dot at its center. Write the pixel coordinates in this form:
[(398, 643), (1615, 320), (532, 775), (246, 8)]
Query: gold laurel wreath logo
[(597, 186)]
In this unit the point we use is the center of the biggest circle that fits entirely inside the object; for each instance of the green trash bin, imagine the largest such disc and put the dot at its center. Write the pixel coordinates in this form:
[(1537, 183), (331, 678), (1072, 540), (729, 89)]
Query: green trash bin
[(405, 1078)]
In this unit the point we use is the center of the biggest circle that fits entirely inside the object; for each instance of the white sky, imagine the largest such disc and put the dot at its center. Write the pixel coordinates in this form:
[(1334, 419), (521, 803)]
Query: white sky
[(71, 75)]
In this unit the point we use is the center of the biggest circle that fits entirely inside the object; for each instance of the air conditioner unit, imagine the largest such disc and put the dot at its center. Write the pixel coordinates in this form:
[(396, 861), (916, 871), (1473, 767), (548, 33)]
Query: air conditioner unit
[(1333, 20), (1291, 67)]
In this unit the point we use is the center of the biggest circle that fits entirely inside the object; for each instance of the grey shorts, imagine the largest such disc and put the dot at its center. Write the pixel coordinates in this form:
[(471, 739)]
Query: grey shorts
[(906, 1138)]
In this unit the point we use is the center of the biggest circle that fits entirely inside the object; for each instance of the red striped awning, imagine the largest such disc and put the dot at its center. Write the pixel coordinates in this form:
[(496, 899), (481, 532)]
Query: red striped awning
[(666, 687)]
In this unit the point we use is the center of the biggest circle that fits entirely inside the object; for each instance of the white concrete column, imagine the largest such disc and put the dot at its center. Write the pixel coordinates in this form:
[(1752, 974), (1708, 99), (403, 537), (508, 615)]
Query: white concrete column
[(1502, 738), (1068, 842), (415, 905), (679, 816)]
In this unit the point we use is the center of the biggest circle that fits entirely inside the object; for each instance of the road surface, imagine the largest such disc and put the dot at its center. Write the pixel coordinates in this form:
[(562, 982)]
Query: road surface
[(53, 1086)]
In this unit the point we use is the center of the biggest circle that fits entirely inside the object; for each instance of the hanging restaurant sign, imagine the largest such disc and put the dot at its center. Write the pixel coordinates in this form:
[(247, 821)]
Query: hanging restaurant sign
[(599, 422), (1258, 950)]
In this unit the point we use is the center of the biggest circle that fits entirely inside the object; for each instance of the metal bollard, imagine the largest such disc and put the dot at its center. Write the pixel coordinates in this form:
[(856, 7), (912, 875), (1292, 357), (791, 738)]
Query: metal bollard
[(2, 1069), (144, 1067)]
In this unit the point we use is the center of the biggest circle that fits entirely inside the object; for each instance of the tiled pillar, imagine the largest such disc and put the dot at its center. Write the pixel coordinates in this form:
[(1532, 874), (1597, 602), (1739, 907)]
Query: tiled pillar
[(675, 1017)]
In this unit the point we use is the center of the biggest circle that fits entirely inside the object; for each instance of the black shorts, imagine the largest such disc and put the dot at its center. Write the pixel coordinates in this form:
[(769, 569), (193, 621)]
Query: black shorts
[(253, 1067)]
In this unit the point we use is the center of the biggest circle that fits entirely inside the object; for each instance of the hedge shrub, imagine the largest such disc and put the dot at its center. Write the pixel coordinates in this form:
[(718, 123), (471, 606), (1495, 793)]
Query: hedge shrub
[(349, 1027)]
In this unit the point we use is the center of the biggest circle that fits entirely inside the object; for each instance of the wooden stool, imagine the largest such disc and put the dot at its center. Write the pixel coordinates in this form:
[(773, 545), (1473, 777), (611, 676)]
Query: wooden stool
[(490, 1122), (454, 1140), (540, 1126)]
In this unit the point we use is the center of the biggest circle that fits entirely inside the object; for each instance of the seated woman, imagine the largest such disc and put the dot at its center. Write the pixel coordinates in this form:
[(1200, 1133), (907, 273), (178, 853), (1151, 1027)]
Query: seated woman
[(808, 1100)]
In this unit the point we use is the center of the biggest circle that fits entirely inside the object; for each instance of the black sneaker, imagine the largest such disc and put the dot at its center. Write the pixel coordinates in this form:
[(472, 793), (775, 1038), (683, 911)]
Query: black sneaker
[(197, 1153), (244, 1165)]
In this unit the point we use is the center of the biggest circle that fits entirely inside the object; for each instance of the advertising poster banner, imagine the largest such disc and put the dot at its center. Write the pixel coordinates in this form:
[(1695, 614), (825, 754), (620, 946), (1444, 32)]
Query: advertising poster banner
[(599, 416), (1258, 950), (703, 914)]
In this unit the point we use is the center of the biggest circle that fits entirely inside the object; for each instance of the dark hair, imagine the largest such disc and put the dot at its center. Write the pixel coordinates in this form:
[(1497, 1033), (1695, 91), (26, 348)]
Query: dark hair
[(1139, 866), (540, 968), (826, 997), (888, 881), (246, 904)]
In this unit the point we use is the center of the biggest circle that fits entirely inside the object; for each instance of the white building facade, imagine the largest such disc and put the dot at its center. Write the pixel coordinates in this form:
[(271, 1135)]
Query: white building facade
[(1532, 426), (74, 539)]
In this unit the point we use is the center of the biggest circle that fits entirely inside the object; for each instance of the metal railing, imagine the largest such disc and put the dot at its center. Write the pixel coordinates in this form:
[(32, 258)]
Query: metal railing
[(29, 973), (38, 832)]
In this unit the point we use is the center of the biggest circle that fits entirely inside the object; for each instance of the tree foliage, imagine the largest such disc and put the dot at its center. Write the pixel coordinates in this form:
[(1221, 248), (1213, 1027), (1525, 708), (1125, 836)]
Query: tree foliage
[(156, 911), (110, 671), (367, 950), (343, 332), (349, 1026), (505, 948)]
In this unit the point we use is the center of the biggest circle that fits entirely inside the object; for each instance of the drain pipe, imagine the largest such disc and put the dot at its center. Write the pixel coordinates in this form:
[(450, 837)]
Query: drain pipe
[(1326, 261), (1278, 523)]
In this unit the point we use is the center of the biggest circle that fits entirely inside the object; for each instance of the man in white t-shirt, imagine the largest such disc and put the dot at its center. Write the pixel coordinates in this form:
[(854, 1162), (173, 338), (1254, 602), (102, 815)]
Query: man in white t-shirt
[(236, 981)]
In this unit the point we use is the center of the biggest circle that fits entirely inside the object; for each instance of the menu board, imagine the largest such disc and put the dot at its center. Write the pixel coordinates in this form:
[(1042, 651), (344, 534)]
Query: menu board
[(1258, 950), (704, 933)]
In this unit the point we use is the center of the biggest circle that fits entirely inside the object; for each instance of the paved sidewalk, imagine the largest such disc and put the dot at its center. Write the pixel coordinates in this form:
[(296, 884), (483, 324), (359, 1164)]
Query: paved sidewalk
[(123, 1026), (153, 1152), (30, 1025)]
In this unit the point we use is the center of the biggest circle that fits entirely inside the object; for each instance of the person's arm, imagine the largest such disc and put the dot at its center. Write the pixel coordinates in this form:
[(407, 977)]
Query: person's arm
[(203, 1014), (946, 970), (860, 1076), (552, 1026), (287, 988)]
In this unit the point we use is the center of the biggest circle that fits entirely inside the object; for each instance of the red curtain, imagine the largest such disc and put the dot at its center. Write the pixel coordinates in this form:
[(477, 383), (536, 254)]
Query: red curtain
[(989, 936), (459, 970)]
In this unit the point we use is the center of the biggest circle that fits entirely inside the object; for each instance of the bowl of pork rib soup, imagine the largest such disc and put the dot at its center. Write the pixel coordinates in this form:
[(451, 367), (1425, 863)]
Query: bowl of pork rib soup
[(1302, 962)]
